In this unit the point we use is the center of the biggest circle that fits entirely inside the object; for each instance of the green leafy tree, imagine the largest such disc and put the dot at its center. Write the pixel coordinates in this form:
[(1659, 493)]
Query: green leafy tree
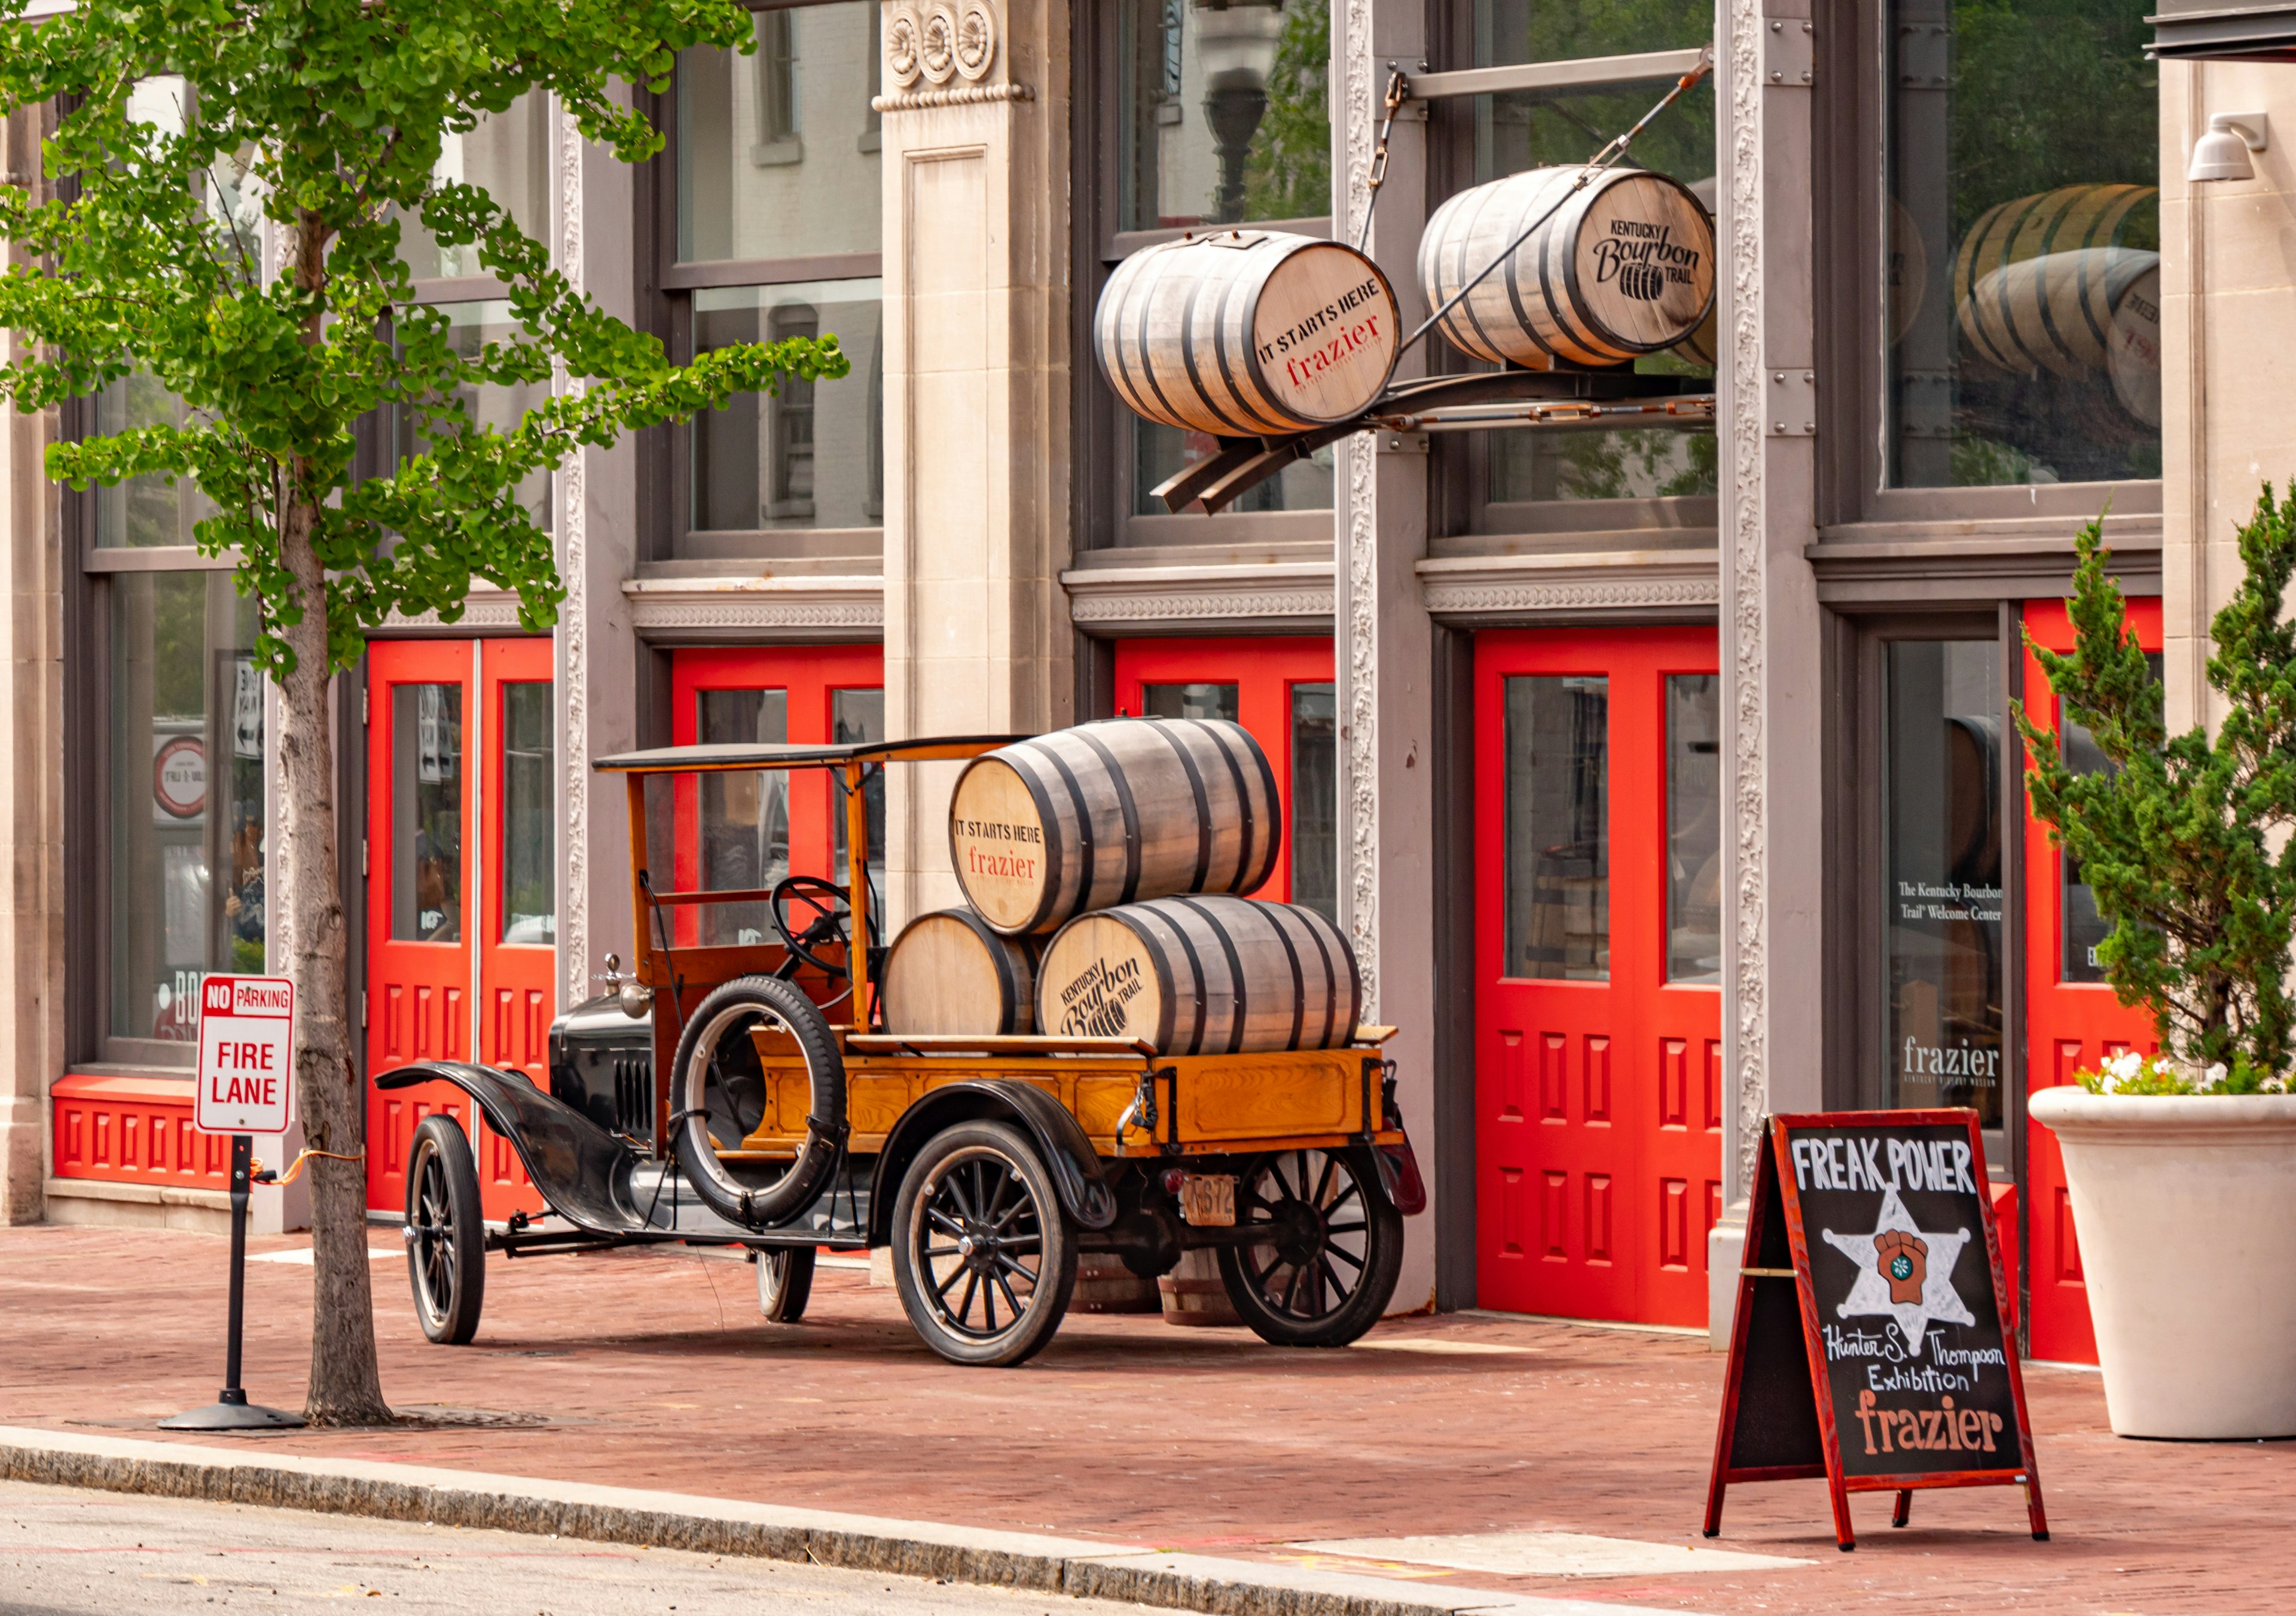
[(2186, 839), (227, 185), (1288, 173)]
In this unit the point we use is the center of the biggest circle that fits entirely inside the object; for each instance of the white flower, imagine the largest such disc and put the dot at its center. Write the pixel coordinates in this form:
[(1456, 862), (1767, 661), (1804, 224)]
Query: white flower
[(2211, 1078), (2127, 1066)]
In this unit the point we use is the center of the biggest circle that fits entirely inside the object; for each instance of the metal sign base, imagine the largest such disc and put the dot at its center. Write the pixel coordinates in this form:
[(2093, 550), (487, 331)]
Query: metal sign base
[(231, 1410)]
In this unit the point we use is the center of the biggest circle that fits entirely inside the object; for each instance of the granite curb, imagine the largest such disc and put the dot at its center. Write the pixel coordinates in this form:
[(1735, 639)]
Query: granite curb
[(1076, 1567)]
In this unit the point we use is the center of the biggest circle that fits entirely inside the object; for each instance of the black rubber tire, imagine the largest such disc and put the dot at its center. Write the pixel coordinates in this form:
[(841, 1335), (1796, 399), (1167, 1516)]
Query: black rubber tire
[(446, 1233), (956, 1188), (1309, 1194), (715, 1049), (784, 1283)]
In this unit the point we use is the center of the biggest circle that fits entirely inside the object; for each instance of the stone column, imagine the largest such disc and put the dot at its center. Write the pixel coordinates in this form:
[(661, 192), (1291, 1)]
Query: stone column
[(1770, 418), (976, 182), (1384, 647), (31, 781), (594, 665)]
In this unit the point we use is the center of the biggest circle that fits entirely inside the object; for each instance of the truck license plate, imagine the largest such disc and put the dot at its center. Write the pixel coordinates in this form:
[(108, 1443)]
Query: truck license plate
[(1207, 1200)]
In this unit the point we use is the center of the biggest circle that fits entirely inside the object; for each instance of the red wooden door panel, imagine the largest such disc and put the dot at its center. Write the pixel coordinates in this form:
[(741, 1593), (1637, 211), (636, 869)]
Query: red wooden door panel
[(2073, 1018), (418, 836), (1281, 689), (517, 911), (1598, 1070)]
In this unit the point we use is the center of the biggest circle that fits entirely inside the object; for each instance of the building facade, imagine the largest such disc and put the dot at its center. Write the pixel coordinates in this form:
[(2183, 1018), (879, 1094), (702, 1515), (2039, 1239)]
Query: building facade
[(1662, 775)]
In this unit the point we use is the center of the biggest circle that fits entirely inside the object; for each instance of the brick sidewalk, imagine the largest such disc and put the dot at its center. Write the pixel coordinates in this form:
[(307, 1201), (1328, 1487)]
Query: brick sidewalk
[(651, 1370)]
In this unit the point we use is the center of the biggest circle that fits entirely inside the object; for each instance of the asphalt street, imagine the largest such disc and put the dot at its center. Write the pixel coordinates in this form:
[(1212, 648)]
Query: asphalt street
[(68, 1553)]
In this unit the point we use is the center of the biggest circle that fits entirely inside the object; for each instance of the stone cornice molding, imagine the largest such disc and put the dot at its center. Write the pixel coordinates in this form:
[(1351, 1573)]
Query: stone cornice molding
[(944, 42), (484, 609), (827, 600), (1477, 585), (1151, 594), (966, 95)]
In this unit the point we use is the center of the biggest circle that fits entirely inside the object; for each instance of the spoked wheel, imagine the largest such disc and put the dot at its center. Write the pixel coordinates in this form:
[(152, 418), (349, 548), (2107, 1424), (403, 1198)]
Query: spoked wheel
[(445, 1238), (784, 1283), (984, 1262), (1322, 1273)]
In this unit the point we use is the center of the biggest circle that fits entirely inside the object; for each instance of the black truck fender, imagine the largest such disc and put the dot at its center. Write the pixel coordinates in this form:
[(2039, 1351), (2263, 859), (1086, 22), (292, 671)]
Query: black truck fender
[(1085, 1195)]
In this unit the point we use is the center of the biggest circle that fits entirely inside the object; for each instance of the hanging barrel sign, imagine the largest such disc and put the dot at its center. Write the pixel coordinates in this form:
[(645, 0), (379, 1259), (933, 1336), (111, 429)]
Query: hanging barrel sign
[(1202, 976), (1107, 813), (1623, 268), (2041, 282), (1247, 332), (949, 972)]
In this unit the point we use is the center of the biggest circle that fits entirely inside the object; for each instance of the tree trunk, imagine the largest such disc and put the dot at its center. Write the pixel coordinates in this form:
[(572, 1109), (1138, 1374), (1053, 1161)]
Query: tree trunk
[(345, 1387)]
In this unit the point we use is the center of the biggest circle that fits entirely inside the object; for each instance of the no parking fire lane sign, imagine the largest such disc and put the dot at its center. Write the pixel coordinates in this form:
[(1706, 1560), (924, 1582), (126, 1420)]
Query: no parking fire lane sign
[(247, 1038)]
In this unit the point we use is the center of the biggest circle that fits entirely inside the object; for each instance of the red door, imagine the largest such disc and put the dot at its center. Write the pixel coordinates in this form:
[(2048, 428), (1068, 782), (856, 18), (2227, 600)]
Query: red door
[(1281, 690), (1598, 945), (442, 945), (747, 831), (2073, 1018)]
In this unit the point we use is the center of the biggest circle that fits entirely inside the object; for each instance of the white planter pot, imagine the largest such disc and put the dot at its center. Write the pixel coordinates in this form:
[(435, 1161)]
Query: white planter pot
[(2183, 1205)]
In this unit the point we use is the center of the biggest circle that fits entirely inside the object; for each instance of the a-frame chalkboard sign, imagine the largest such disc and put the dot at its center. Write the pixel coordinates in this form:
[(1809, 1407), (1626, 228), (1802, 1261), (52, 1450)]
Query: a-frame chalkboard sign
[(1872, 1288)]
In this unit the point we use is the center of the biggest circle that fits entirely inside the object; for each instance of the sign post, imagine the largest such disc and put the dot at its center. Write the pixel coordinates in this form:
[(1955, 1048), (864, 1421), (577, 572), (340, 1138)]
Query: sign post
[(1869, 1347), (246, 1071)]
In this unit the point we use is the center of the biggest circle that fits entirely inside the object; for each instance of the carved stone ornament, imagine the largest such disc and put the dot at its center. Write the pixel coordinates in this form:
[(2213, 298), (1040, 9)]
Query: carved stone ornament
[(936, 51), (976, 41), (902, 64)]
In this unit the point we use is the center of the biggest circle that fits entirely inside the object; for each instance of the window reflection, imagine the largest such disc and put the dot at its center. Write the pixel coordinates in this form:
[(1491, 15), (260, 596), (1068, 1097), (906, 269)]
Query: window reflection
[(469, 327), (2024, 286), (777, 151), (187, 797), (1541, 128), (744, 816), (1558, 828), (2084, 928), (1225, 115), (151, 509), (1315, 799), (813, 455), (1160, 452), (426, 813), (507, 156), (1189, 702), (530, 850), (856, 715), (1693, 828), (1943, 900)]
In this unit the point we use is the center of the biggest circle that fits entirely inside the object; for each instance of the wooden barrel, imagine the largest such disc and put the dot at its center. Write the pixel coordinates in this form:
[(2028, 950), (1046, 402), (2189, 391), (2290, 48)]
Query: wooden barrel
[(2133, 348), (1623, 268), (950, 971), (2036, 278), (1204, 975), (1107, 813), (1247, 332)]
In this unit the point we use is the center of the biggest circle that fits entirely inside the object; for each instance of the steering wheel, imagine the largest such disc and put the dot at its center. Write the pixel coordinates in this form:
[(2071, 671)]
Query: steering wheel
[(823, 912)]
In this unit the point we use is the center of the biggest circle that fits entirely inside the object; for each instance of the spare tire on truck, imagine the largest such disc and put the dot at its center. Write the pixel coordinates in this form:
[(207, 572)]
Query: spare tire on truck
[(718, 1097)]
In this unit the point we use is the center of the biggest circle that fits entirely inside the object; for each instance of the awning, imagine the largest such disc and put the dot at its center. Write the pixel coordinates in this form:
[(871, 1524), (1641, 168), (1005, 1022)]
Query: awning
[(2208, 30)]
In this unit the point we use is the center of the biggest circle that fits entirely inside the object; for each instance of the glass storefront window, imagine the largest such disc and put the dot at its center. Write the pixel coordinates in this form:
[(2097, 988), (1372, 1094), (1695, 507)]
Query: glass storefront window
[(812, 455), (507, 155), (528, 903), (1943, 902), (470, 327), (857, 715), (1160, 452), (1189, 702), (426, 813), (2022, 310), (1224, 114), (1316, 798), (777, 152), (151, 509), (744, 817), (1558, 828), (1693, 827), (187, 797), (1542, 128)]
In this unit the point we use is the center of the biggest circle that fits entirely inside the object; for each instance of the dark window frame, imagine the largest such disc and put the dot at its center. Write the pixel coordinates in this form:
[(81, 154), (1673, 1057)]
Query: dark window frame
[(665, 310)]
